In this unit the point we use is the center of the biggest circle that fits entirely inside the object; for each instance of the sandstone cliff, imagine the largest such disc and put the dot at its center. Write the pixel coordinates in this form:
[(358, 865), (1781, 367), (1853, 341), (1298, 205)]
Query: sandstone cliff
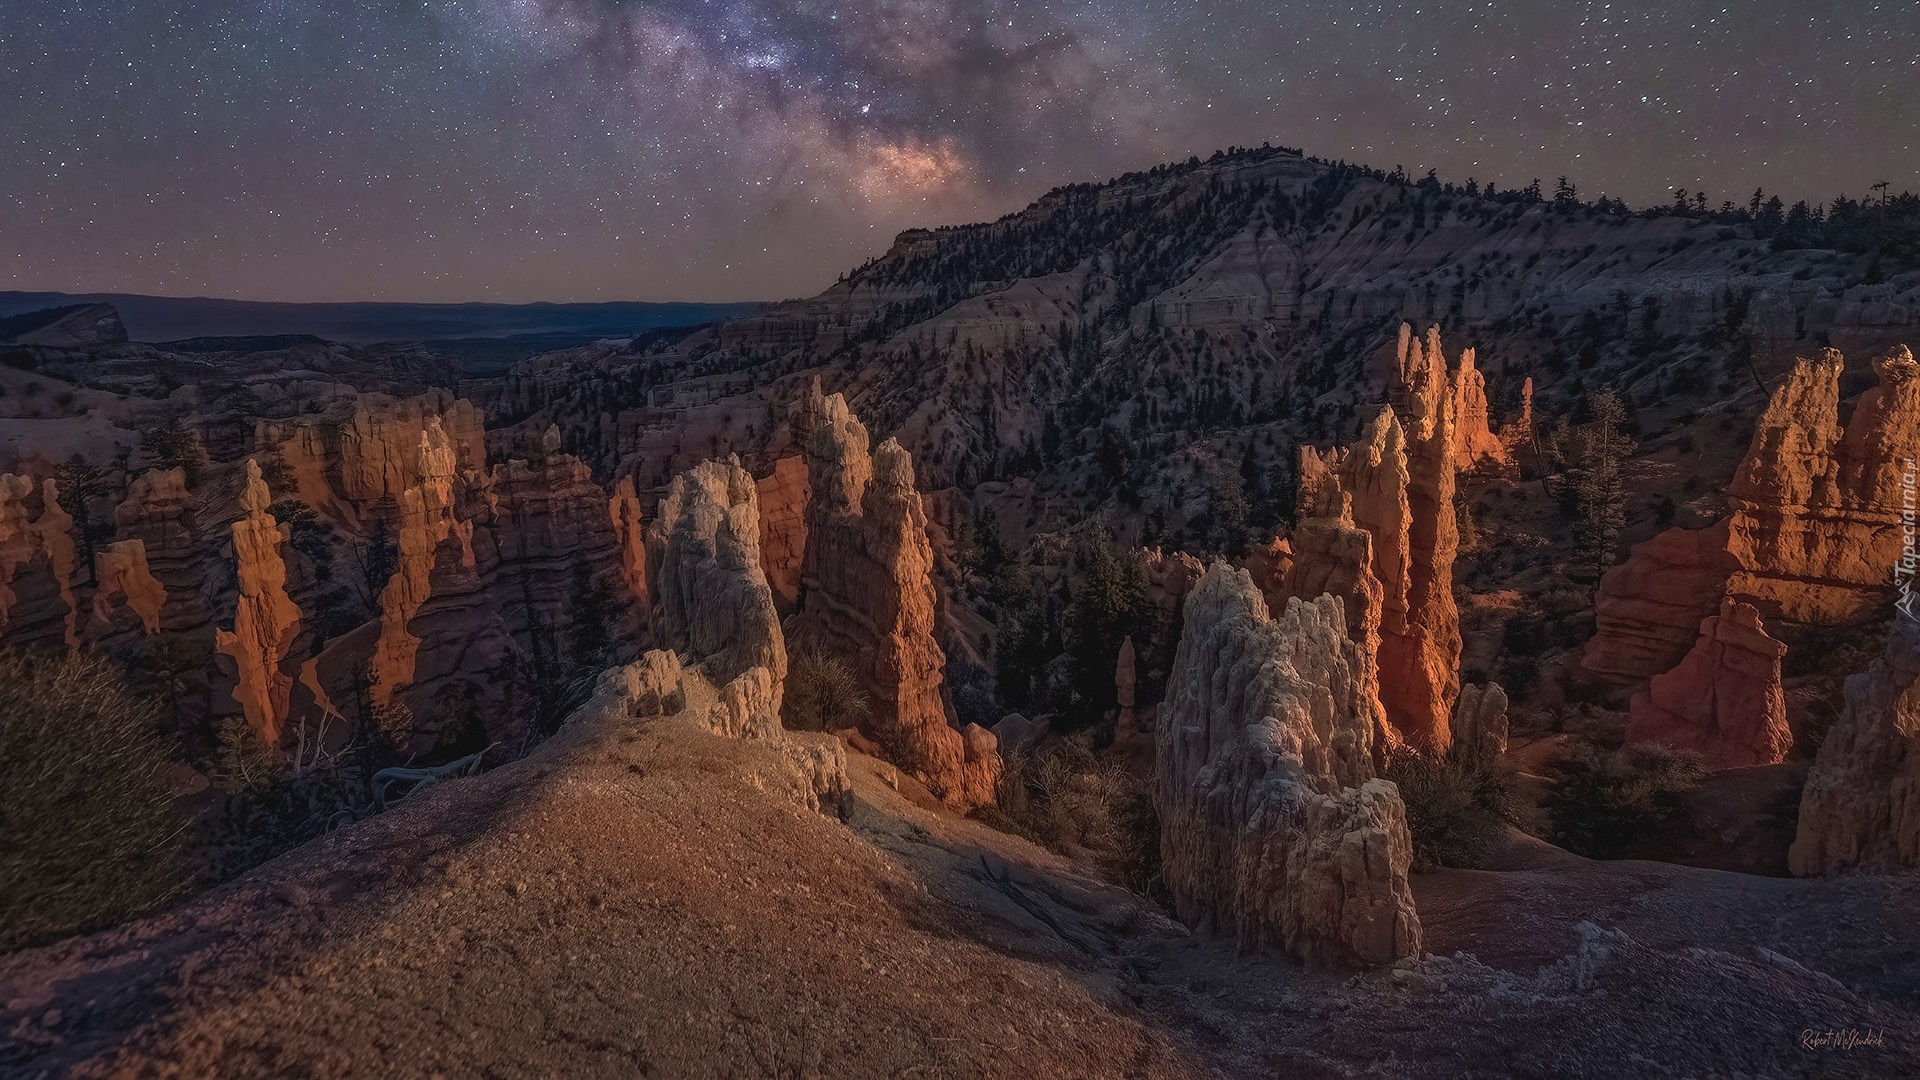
[(869, 598), (1724, 701), (1813, 528), (265, 622), (1861, 805), (1273, 826)]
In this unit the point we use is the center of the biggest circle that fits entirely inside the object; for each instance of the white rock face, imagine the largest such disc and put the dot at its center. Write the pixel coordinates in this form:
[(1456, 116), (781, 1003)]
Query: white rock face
[(1273, 825), (1861, 805), (711, 598), (713, 607)]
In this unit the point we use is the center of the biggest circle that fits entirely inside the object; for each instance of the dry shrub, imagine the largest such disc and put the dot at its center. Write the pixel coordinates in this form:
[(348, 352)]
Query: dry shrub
[(1454, 803), (1065, 798), (89, 832), (1602, 803), (822, 694)]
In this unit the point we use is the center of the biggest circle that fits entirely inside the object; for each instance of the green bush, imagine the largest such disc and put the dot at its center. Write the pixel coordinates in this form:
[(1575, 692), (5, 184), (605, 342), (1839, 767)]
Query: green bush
[(1601, 804), (89, 833), (1454, 802)]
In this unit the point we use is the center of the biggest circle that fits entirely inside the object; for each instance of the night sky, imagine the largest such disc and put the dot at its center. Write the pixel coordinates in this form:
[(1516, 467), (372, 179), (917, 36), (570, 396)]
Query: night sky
[(739, 149)]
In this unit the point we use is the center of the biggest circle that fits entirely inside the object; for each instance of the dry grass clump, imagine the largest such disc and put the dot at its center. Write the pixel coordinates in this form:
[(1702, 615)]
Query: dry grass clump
[(1065, 798), (89, 832)]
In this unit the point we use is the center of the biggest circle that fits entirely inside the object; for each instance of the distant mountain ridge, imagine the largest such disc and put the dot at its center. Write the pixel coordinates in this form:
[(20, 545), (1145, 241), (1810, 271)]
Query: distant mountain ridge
[(168, 318)]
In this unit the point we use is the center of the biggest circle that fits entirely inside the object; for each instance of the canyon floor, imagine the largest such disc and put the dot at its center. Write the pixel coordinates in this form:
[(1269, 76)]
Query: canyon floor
[(634, 899)]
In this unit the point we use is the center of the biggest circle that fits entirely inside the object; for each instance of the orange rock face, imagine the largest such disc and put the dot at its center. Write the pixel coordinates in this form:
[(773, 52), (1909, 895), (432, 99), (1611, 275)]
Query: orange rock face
[(265, 622), (784, 494), (36, 564), (126, 581), (623, 511), (869, 598), (1377, 528), (1724, 701), (425, 521), (1814, 529), (1649, 608), (158, 513), (1420, 671), (1817, 505), (1474, 443)]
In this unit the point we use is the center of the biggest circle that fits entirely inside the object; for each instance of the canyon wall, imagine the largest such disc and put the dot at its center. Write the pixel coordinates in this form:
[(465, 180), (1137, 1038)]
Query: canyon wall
[(1274, 827)]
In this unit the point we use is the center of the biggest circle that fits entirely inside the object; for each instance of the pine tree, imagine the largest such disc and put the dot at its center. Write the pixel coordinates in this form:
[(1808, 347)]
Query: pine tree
[(1600, 498)]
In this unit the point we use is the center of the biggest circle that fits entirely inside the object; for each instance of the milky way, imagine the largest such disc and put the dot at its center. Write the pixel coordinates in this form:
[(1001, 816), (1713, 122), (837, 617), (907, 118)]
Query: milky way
[(601, 149)]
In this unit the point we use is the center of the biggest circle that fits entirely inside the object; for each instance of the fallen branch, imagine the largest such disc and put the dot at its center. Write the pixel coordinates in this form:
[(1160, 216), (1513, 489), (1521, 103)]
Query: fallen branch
[(421, 778)]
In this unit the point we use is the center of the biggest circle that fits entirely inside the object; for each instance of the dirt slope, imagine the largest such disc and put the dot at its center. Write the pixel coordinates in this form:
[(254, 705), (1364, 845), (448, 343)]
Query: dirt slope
[(637, 899)]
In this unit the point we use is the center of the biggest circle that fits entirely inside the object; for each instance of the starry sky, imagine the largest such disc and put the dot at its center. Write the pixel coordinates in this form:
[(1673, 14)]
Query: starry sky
[(517, 150)]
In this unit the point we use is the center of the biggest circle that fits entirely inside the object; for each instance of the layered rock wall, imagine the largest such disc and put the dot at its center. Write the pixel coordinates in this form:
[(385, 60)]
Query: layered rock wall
[(1813, 530), (1274, 827)]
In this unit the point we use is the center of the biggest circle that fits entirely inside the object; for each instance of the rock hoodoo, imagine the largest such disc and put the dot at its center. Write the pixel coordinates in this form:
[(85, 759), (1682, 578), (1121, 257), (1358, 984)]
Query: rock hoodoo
[(1273, 825), (158, 513), (266, 622), (1480, 721), (1376, 519), (36, 563), (127, 582), (1474, 443), (713, 605), (1861, 805), (868, 597), (1724, 701), (711, 599)]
